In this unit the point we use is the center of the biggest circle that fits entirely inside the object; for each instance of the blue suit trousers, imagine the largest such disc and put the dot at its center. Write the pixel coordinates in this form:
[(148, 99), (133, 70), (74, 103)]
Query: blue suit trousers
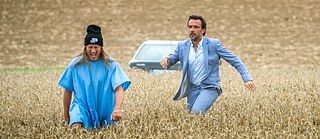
[(199, 100)]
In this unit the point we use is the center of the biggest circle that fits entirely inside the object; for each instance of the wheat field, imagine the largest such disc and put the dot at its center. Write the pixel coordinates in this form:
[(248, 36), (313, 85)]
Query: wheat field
[(277, 40), (286, 105)]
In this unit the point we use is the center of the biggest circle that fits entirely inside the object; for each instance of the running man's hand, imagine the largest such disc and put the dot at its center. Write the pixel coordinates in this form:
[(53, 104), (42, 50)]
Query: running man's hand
[(250, 85), (164, 63)]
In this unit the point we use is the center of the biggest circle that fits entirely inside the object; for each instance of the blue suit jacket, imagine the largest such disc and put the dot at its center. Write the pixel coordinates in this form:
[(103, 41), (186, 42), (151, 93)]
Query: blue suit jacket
[(213, 50)]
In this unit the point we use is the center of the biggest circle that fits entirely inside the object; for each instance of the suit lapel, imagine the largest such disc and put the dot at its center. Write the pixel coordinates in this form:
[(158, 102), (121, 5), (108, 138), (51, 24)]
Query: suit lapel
[(186, 53), (182, 92), (205, 51)]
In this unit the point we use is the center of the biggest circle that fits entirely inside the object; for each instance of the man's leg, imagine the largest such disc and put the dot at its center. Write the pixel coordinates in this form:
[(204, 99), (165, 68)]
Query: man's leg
[(192, 96), (205, 100)]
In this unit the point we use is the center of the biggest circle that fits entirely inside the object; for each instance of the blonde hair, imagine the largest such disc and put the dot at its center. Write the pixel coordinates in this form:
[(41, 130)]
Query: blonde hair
[(85, 58)]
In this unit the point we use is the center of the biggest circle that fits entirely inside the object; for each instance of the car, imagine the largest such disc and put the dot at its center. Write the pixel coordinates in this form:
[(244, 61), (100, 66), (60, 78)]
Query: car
[(150, 53)]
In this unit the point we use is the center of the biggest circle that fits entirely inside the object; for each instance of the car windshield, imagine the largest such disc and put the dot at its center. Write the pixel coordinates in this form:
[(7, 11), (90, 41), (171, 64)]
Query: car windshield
[(155, 51)]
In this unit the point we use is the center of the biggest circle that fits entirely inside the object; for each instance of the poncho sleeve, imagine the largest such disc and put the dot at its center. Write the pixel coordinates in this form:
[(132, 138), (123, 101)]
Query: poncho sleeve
[(66, 80), (119, 77)]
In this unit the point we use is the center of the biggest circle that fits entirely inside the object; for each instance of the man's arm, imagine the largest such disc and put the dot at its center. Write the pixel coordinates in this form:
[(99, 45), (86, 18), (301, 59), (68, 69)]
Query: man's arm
[(116, 114), (66, 105), (236, 62), (172, 59)]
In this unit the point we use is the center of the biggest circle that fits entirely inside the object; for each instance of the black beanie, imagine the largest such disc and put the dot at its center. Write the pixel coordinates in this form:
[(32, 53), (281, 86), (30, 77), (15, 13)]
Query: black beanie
[(93, 35)]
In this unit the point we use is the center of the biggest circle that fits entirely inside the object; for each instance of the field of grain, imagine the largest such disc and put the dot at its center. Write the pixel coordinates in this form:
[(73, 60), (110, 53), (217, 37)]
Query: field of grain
[(277, 40), (283, 107)]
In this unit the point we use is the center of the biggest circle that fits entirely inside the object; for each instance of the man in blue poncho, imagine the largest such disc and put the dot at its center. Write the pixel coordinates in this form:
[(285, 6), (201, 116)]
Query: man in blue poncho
[(97, 82)]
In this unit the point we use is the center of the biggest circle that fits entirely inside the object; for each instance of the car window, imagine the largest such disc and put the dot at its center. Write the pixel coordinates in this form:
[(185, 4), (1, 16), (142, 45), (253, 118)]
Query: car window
[(155, 51)]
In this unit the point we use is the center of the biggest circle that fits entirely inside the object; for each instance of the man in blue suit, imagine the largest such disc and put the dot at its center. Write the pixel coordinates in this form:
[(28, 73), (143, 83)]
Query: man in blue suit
[(200, 58)]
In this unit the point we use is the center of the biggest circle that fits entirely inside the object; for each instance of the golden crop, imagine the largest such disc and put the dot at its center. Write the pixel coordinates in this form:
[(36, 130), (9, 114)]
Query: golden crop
[(278, 39), (286, 105)]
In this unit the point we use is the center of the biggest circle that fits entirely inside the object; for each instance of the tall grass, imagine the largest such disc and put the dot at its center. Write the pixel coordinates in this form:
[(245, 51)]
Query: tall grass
[(286, 105)]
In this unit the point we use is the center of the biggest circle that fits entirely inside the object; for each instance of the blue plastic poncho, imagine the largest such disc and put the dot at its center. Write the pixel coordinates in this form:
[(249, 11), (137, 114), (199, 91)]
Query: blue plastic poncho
[(94, 91)]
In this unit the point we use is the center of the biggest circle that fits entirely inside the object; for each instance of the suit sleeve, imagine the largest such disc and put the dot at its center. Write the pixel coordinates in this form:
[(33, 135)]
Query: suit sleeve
[(234, 60), (174, 57)]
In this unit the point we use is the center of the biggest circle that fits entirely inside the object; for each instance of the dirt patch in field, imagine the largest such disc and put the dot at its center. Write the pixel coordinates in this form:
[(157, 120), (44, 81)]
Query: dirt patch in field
[(262, 33)]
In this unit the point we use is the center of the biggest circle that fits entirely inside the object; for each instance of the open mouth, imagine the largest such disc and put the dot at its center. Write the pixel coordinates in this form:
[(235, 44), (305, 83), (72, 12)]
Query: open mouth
[(93, 56)]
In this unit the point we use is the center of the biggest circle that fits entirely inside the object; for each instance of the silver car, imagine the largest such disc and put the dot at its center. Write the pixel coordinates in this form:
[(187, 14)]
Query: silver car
[(150, 53)]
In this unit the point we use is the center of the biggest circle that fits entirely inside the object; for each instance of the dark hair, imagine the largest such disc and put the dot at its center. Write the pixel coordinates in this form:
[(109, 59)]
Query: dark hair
[(203, 21)]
